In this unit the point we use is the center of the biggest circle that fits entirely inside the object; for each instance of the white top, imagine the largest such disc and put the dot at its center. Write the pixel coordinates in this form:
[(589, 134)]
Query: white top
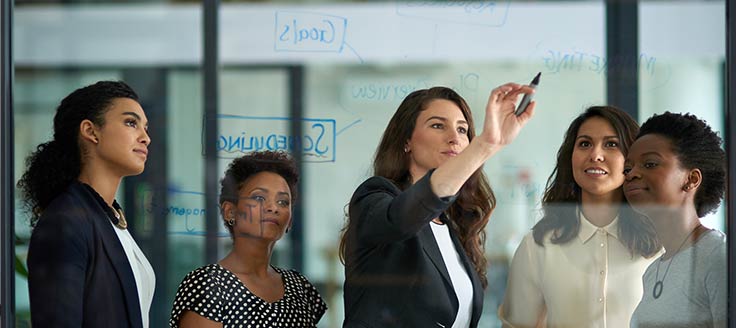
[(458, 276), (145, 278), (590, 281), (694, 291)]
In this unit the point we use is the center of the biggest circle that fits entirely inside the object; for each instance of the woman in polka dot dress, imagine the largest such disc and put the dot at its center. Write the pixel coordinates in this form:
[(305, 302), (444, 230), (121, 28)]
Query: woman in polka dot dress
[(243, 289)]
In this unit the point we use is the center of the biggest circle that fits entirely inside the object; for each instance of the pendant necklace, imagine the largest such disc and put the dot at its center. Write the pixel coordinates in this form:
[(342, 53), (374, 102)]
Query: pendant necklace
[(659, 285)]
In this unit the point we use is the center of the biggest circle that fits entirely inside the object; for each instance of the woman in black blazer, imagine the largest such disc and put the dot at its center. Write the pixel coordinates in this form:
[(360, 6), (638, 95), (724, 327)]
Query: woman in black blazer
[(85, 270), (413, 245)]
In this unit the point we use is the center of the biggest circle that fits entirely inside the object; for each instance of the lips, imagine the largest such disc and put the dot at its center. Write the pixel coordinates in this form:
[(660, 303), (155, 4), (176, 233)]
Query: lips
[(633, 189), (143, 152), (450, 153), (271, 221)]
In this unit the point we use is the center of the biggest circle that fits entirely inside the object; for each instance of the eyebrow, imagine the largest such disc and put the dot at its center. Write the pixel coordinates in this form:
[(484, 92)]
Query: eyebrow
[(589, 137), (266, 190), (444, 119)]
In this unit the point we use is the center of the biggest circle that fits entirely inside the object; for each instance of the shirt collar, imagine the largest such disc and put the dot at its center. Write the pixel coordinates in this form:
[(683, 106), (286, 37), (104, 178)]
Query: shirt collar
[(587, 229)]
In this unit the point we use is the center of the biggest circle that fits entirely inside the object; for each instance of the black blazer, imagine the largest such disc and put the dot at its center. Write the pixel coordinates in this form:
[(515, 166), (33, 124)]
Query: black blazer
[(394, 272), (78, 274)]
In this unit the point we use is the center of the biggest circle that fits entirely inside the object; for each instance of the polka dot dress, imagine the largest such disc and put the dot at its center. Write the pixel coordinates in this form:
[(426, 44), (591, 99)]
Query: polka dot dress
[(216, 294)]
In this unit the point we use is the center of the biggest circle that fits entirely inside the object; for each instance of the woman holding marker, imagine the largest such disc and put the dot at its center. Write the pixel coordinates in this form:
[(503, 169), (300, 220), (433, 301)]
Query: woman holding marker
[(84, 268), (413, 244), (244, 289), (581, 264), (676, 174)]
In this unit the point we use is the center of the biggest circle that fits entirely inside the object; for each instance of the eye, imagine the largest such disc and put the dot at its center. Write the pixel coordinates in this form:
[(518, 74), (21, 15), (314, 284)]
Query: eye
[(612, 144), (258, 198), (650, 165), (627, 170), (584, 143), (462, 130), (131, 123), (437, 126), (284, 203)]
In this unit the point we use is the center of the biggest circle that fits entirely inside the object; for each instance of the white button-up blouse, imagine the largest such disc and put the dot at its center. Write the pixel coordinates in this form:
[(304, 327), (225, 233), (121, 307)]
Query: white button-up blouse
[(590, 281)]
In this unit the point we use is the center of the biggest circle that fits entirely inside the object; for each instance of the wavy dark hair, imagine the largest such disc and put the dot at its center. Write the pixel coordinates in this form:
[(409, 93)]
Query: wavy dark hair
[(54, 165), (472, 209), (243, 168), (696, 146), (562, 194)]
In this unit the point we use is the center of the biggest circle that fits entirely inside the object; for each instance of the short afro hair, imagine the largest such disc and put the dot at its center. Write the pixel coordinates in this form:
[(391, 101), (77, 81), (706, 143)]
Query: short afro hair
[(697, 146)]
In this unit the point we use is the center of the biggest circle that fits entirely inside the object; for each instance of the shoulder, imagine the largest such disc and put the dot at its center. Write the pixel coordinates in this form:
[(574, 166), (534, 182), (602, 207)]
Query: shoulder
[(295, 277), (377, 184), (205, 274), (712, 247), (67, 219)]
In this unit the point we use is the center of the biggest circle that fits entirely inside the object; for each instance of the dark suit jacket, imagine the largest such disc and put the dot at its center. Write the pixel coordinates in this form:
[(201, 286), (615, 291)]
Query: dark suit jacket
[(78, 274), (394, 272)]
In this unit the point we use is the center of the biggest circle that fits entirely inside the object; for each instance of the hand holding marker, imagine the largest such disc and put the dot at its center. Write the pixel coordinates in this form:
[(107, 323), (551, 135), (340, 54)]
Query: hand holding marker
[(527, 97)]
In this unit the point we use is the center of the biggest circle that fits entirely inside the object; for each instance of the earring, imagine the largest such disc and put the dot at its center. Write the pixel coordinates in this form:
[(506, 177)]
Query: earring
[(231, 221), (406, 149), (287, 229), (686, 188)]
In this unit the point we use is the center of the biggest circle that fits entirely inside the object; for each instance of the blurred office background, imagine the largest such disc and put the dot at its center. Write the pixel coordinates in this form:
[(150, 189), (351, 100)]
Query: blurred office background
[(328, 75)]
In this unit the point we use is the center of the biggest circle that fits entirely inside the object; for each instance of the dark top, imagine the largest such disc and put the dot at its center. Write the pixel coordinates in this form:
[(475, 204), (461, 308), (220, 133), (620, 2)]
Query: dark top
[(394, 272), (217, 294), (78, 273)]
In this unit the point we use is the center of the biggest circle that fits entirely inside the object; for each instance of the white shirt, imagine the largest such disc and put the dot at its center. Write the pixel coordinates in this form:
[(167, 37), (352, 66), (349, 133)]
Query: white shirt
[(590, 281), (145, 279), (458, 276)]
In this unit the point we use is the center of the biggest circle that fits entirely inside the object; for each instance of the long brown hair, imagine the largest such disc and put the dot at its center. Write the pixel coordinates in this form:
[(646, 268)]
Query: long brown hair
[(472, 209), (562, 194)]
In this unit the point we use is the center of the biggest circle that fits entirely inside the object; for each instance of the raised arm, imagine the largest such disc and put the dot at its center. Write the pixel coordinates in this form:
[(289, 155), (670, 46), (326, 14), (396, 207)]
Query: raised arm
[(500, 127)]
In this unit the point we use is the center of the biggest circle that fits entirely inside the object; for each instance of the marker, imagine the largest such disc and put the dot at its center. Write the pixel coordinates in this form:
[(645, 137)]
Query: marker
[(528, 96)]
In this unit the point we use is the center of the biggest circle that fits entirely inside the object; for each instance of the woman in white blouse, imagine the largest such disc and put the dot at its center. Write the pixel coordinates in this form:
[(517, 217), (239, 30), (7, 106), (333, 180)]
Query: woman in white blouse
[(582, 263)]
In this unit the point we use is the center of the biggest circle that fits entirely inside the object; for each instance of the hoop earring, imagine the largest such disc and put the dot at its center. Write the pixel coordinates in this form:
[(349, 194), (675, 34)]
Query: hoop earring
[(231, 221)]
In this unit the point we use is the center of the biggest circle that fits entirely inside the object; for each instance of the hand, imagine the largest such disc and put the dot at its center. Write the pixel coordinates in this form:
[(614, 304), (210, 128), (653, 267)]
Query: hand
[(501, 125)]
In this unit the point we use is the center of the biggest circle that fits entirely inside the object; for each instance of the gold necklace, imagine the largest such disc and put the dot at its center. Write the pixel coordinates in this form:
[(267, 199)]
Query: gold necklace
[(122, 223)]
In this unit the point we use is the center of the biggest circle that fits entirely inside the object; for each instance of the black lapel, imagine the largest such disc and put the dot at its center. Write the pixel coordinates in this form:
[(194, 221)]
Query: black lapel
[(429, 244), (116, 254)]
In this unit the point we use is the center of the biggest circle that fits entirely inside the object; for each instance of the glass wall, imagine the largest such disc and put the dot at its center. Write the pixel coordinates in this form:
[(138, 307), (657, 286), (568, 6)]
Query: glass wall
[(353, 72)]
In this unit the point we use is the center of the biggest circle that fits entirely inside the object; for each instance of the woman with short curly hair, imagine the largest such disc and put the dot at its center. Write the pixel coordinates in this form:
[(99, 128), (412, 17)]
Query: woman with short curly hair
[(675, 175), (244, 289)]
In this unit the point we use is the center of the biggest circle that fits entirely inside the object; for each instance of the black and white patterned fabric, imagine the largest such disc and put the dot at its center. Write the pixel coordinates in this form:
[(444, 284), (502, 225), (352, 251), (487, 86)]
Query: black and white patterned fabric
[(217, 294)]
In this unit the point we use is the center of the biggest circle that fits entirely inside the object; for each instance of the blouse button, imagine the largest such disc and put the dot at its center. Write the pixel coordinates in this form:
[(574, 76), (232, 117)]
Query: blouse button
[(600, 300), (602, 244)]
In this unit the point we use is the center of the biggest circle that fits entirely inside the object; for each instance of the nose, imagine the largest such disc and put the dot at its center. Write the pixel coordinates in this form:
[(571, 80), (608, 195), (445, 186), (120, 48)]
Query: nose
[(453, 137), (145, 138), (271, 207), (596, 154)]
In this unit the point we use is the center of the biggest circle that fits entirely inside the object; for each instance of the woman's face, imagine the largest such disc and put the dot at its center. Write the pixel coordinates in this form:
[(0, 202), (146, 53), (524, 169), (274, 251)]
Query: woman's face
[(440, 132), (122, 141), (655, 177), (264, 207), (597, 160)]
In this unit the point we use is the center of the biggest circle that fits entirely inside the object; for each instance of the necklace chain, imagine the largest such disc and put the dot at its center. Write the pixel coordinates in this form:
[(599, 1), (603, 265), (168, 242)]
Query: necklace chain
[(659, 285)]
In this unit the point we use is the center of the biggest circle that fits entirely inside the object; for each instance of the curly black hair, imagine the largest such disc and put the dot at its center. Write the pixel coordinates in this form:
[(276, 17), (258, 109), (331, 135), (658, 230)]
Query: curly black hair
[(243, 168), (696, 146), (57, 163)]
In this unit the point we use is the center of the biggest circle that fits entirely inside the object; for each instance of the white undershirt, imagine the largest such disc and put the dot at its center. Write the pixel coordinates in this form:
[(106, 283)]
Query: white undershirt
[(145, 279), (458, 276)]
